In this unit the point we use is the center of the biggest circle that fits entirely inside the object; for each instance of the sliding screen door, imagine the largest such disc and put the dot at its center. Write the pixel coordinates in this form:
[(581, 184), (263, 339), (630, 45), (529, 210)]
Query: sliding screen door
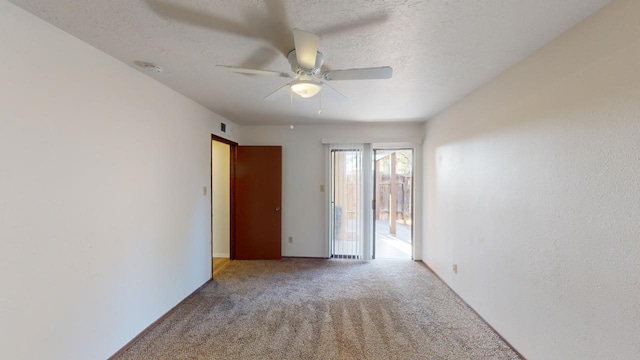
[(346, 202)]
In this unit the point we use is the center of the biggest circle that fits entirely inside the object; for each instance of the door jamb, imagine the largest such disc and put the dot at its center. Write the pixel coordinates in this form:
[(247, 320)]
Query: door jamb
[(232, 192)]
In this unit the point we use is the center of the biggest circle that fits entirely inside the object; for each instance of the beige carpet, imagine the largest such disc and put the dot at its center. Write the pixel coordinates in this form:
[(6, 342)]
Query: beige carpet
[(322, 309)]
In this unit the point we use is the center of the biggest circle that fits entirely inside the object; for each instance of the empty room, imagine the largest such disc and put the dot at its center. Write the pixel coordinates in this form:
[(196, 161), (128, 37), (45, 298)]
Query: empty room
[(297, 179)]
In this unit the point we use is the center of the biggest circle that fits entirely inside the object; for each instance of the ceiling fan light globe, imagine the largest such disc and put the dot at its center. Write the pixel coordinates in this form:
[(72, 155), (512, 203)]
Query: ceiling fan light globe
[(305, 88)]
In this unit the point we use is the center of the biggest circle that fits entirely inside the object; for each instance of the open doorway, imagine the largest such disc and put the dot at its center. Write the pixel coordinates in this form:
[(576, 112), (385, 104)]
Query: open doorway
[(393, 203), (222, 202)]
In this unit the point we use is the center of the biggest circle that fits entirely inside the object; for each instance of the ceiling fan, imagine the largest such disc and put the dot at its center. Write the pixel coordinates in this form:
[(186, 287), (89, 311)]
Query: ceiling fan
[(306, 64)]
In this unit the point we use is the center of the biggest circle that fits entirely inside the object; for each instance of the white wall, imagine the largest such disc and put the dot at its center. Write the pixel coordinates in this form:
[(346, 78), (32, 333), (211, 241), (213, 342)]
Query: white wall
[(103, 222), (303, 204), (220, 199), (533, 190)]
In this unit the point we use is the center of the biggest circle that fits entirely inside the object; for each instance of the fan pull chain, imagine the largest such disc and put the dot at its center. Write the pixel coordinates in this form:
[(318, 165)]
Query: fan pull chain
[(320, 103), (291, 96)]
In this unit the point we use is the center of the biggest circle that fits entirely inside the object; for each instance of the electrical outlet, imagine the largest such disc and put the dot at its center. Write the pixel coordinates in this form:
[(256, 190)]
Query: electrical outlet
[(290, 239), (455, 268), (321, 188)]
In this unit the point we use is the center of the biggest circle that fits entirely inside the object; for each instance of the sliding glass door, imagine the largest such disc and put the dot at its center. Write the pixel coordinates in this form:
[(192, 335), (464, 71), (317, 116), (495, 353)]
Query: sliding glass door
[(370, 198), (346, 202), (393, 205)]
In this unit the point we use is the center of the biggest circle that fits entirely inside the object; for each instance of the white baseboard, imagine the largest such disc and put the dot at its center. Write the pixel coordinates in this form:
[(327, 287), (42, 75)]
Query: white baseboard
[(221, 255)]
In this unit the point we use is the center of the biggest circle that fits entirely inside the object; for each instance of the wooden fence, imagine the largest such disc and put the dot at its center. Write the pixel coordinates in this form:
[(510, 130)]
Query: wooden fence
[(403, 197)]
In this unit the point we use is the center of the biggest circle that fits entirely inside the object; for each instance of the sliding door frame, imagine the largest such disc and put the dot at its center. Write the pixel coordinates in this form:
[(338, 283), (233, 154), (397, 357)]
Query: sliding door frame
[(417, 187)]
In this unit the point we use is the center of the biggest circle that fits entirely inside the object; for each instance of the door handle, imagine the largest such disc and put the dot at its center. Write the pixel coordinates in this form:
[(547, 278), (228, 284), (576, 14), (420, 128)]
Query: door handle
[(277, 209)]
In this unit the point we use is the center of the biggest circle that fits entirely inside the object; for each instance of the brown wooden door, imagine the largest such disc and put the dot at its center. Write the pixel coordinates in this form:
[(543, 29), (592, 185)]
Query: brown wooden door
[(258, 191)]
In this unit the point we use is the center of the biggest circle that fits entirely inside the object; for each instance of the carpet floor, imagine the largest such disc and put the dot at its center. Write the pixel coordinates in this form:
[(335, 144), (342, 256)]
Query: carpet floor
[(322, 309)]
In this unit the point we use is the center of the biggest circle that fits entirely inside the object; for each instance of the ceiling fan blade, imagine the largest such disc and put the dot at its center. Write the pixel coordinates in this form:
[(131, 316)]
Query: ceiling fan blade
[(384, 72), (254, 71), (306, 48), (284, 89)]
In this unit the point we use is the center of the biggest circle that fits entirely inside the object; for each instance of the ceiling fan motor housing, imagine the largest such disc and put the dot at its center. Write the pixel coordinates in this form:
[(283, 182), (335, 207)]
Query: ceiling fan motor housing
[(306, 64), (299, 70)]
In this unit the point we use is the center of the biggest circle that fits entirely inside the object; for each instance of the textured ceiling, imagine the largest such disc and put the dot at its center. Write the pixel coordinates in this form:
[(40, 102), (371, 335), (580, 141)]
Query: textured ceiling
[(440, 50)]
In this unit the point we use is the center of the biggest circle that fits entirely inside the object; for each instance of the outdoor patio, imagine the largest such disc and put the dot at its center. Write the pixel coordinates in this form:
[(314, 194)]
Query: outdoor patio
[(389, 246)]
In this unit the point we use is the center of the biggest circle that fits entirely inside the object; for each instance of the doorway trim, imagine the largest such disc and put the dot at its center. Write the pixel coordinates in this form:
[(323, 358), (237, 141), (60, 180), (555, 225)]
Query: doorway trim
[(414, 143), (232, 193)]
